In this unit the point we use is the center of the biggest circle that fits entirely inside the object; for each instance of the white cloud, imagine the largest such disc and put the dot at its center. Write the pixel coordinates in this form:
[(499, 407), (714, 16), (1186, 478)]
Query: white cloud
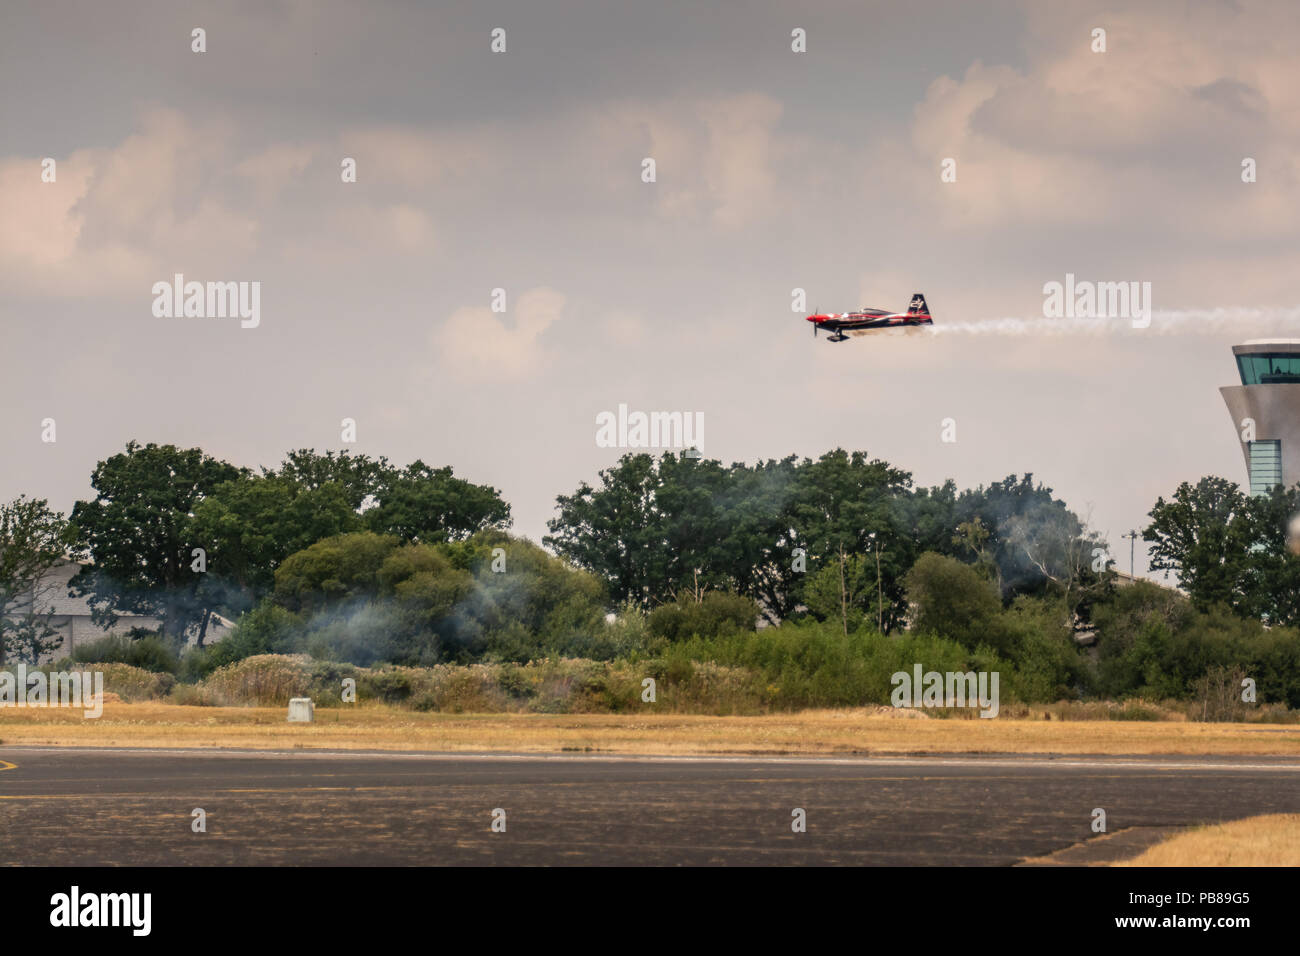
[(478, 344), (1080, 139), (174, 195)]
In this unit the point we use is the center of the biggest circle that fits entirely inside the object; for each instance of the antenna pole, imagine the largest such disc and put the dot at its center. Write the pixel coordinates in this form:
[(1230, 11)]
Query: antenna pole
[(1132, 539)]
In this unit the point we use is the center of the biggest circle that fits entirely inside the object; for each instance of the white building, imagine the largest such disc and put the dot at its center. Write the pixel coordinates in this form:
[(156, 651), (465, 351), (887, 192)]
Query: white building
[(1265, 410), (71, 615)]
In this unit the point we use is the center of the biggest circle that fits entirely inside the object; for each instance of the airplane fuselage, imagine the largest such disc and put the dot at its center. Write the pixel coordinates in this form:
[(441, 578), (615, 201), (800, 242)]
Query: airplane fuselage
[(867, 320), (841, 322)]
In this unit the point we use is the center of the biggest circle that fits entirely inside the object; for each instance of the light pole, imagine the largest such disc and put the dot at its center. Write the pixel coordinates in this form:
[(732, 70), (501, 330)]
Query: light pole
[(880, 601), (1132, 539), (844, 596)]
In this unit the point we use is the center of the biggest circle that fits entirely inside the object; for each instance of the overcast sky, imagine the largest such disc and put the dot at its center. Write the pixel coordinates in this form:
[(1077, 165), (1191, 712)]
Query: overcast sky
[(522, 170)]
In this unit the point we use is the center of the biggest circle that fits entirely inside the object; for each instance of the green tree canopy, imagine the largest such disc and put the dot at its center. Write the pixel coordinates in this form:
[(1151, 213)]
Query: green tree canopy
[(139, 532), (953, 600), (251, 524), (334, 570), (1230, 548), (653, 527), (419, 503), (358, 475), (33, 539), (1205, 533)]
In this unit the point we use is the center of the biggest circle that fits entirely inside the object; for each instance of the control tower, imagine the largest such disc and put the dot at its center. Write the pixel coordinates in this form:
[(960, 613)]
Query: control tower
[(1268, 397)]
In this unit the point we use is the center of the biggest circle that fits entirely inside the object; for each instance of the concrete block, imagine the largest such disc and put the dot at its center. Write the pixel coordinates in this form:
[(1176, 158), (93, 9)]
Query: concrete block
[(301, 710)]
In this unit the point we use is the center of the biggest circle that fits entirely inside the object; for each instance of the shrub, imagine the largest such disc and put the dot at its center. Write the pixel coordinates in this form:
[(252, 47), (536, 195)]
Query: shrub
[(1218, 692), (391, 686), (135, 683), (716, 614), (264, 680), (335, 569), (148, 653), (814, 664), (952, 599), (266, 629), (327, 677), (190, 695)]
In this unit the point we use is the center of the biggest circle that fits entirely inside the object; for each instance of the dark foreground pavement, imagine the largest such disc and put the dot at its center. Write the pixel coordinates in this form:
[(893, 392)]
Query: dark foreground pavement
[(94, 807)]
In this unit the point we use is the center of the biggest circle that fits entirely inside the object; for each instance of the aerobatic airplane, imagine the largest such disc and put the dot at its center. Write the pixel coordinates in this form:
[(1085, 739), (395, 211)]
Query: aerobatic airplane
[(918, 313)]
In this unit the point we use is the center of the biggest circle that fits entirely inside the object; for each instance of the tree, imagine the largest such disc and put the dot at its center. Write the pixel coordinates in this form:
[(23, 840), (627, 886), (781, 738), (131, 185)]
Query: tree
[(655, 527), (845, 504), (617, 531), (338, 569), (1275, 569), (761, 538), (358, 475), (953, 600), (715, 614), (843, 590), (1230, 548), (532, 592), (419, 503), (139, 532), (1205, 534), (973, 537), (1031, 536), (33, 539), (694, 521), (251, 524)]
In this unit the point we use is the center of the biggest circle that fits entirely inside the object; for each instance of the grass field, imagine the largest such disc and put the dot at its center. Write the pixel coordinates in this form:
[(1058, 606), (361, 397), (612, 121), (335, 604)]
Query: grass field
[(848, 731), (1272, 840)]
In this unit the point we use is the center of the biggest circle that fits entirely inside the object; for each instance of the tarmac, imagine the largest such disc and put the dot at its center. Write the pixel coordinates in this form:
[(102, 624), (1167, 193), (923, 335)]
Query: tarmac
[(100, 807)]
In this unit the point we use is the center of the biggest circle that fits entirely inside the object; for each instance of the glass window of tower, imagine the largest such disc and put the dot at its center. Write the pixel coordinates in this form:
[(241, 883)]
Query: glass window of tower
[(1269, 369), (1265, 466)]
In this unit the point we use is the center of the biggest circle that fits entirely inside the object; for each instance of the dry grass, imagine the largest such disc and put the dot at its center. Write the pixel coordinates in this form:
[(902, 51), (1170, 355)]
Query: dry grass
[(859, 730), (1272, 840)]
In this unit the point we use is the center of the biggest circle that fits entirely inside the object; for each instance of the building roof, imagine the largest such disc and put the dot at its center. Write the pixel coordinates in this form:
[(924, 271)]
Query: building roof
[(53, 595), (1124, 578), (1262, 346)]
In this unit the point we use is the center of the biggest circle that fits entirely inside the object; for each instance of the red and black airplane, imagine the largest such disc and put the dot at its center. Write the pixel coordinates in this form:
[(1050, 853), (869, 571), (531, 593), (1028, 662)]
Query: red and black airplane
[(865, 320)]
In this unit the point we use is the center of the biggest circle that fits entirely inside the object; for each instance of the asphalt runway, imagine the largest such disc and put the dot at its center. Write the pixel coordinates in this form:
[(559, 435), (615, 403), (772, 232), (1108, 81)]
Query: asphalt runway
[(97, 807)]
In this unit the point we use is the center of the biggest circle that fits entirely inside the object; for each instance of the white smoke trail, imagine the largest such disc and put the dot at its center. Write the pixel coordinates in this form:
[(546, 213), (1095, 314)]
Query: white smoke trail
[(1163, 322)]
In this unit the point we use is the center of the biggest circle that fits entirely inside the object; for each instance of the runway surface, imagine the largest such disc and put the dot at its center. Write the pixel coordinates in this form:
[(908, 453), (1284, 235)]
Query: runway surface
[(94, 807)]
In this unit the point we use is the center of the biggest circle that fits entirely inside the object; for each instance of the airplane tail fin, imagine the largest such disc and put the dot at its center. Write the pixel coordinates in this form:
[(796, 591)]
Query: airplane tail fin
[(918, 306)]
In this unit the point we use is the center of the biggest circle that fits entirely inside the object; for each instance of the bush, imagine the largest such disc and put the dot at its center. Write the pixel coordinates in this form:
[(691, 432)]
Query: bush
[(266, 629), (814, 664), (952, 599), (628, 634), (135, 683), (264, 680), (327, 679), (335, 569), (1048, 664), (367, 633), (190, 695), (1218, 692), (716, 614), (1153, 643), (843, 592), (148, 653), (548, 605), (391, 686)]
